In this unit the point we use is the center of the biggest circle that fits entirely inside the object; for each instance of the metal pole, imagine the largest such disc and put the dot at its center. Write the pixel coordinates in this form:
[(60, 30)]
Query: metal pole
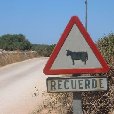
[(77, 102), (86, 14)]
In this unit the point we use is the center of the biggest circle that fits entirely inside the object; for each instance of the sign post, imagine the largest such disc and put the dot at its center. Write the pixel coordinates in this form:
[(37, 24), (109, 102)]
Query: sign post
[(77, 103), (76, 53)]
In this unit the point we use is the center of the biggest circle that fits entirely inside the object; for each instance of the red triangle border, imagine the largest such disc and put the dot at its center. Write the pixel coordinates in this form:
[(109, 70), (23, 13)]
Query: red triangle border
[(75, 20)]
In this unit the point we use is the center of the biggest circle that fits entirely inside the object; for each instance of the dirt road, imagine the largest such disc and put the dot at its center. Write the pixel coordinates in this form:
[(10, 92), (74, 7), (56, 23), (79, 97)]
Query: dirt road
[(21, 86)]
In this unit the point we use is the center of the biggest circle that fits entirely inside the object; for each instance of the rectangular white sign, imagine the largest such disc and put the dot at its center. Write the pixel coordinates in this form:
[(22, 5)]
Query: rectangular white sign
[(73, 84)]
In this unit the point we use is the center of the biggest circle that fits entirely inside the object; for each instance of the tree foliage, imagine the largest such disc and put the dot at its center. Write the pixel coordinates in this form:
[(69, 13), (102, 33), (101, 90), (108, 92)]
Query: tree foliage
[(106, 46), (14, 42), (102, 102), (43, 50)]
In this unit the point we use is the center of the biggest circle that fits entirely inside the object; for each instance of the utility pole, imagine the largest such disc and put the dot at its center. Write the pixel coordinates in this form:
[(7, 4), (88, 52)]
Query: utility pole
[(86, 14)]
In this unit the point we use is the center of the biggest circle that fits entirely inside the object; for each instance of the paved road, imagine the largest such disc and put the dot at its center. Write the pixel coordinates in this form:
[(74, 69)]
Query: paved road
[(21, 86)]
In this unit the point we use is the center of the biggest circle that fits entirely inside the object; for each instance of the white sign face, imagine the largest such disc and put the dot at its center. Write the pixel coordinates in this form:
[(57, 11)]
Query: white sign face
[(75, 53), (76, 84)]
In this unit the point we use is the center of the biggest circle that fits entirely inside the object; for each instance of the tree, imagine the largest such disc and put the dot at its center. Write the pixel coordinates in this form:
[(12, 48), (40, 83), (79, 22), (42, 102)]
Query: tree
[(106, 46), (14, 42)]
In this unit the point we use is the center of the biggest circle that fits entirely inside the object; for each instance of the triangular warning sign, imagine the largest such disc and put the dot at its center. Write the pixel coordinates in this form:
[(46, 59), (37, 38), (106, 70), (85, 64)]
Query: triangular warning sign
[(75, 52)]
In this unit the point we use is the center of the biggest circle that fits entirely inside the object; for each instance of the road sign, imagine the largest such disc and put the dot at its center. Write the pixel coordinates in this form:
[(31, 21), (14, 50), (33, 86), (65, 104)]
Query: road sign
[(75, 52), (73, 84)]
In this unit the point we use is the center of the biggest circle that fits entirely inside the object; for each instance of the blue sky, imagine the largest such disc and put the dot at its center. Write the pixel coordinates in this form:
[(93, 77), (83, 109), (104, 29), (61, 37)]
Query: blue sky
[(43, 21)]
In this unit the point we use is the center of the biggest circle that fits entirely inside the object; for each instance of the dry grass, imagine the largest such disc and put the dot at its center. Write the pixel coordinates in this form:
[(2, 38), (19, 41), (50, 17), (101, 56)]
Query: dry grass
[(7, 57), (55, 103)]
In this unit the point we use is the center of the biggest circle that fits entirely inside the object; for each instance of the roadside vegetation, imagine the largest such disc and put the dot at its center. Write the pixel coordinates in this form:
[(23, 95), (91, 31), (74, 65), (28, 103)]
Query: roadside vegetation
[(43, 50), (102, 102), (15, 48), (14, 42)]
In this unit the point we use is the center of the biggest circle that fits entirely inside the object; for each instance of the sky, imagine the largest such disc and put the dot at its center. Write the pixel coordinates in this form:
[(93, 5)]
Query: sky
[(43, 21)]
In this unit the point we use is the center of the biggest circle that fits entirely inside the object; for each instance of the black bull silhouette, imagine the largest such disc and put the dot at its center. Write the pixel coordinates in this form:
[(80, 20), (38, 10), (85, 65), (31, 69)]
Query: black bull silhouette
[(83, 56)]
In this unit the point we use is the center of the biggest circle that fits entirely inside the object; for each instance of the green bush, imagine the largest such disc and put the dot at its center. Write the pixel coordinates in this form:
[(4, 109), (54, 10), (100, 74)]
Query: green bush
[(102, 102), (106, 46), (13, 42), (43, 50)]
